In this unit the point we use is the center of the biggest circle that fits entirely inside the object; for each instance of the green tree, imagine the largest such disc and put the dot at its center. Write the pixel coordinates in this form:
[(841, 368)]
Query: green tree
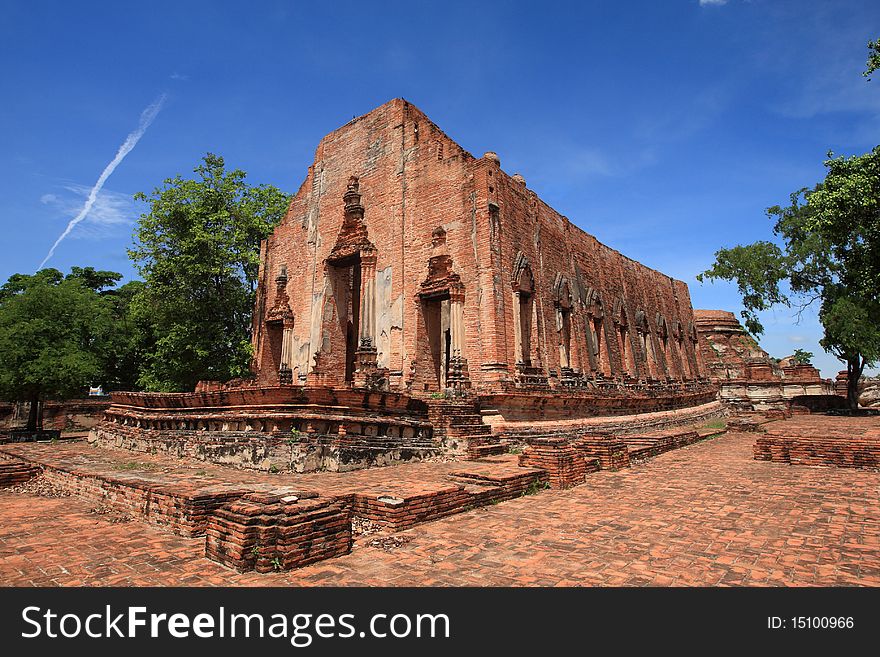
[(130, 342), (830, 254), (802, 356), (845, 211), (198, 251), (873, 58), (814, 264), (53, 333)]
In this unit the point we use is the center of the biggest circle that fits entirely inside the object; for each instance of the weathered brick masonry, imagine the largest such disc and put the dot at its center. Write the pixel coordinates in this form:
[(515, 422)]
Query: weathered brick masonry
[(417, 299), (68, 415), (405, 258), (821, 440), (749, 379)]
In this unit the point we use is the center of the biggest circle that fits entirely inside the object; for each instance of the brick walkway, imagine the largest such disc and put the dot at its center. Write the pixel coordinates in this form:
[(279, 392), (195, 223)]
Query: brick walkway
[(706, 514)]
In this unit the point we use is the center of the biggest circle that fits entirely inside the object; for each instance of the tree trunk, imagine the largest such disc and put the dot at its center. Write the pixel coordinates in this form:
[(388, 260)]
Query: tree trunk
[(853, 374), (34, 421)]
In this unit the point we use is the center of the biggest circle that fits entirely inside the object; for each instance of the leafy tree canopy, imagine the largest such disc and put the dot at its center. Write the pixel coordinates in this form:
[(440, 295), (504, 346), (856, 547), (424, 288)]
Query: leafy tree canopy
[(802, 356), (845, 212), (827, 255), (54, 333), (873, 58), (198, 251)]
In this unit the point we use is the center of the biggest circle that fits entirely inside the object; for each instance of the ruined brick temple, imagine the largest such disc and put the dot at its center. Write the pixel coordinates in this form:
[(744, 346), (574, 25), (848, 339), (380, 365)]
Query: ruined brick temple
[(416, 300), (419, 304), (748, 378)]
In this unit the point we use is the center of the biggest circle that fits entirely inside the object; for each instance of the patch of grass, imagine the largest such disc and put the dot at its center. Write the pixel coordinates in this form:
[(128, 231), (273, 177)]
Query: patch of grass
[(515, 450), (273, 469), (536, 487), (276, 563), (715, 424), (135, 465)]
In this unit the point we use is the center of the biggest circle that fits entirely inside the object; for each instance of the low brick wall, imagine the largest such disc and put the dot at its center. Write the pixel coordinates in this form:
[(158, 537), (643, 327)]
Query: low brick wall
[(746, 424), (855, 452), (182, 511), (648, 446), (611, 452), (256, 450), (566, 466), (183, 514), (13, 473), (266, 532), (72, 415), (619, 425), (467, 490), (844, 442)]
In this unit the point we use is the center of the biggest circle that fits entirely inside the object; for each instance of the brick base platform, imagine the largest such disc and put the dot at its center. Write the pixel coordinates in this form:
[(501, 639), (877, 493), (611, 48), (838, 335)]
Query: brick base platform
[(648, 445), (568, 456), (272, 532), (257, 521), (844, 442), (566, 466), (707, 515), (520, 428)]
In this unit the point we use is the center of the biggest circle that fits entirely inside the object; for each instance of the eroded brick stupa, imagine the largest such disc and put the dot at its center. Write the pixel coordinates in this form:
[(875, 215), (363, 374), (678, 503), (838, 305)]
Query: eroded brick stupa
[(749, 379), (417, 299)]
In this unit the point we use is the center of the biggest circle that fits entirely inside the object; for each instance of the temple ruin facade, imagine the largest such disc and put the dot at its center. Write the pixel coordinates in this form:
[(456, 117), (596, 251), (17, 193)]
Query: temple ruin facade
[(404, 263), (416, 299)]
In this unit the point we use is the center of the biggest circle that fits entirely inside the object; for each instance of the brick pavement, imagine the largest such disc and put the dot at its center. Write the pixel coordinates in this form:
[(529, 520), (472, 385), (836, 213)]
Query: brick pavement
[(707, 514)]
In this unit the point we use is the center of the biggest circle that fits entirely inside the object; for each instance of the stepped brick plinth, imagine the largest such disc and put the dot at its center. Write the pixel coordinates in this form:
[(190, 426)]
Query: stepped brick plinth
[(611, 452), (266, 532), (13, 473), (565, 465)]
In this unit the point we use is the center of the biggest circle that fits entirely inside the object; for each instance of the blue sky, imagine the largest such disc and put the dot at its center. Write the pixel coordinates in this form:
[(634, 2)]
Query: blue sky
[(663, 127)]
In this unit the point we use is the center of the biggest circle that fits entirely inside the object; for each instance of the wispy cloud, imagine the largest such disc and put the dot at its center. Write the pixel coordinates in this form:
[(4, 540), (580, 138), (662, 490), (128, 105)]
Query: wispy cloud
[(824, 80), (147, 117), (709, 3), (110, 211), (178, 76)]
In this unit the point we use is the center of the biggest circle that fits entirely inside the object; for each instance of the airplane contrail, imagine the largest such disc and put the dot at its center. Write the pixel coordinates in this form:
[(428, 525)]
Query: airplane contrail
[(130, 142)]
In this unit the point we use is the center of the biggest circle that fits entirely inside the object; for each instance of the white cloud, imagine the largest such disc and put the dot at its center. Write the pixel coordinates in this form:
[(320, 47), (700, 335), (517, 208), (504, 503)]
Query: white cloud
[(716, 3), (110, 211), (178, 76), (147, 117)]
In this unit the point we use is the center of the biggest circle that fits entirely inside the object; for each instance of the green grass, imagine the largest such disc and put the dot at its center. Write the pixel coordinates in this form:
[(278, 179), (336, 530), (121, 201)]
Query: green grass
[(715, 424), (134, 465), (536, 487)]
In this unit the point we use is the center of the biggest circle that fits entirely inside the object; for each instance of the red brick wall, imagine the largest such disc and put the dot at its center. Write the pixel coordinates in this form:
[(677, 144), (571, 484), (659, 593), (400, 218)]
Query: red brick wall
[(414, 179)]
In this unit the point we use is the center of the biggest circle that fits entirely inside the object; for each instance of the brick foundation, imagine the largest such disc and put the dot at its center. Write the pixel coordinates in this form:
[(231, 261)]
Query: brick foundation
[(565, 465), (274, 527), (272, 532), (654, 444), (13, 473), (176, 510), (612, 453), (822, 440)]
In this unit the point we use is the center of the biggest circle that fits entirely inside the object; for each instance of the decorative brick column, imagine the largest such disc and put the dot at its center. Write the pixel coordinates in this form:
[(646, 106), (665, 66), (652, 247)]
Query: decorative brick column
[(458, 377), (367, 373)]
